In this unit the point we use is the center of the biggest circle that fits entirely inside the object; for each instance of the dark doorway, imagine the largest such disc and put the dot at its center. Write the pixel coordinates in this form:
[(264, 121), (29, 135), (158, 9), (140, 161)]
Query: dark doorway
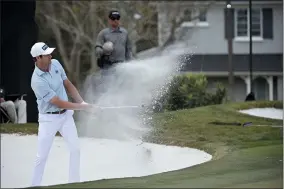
[(18, 34)]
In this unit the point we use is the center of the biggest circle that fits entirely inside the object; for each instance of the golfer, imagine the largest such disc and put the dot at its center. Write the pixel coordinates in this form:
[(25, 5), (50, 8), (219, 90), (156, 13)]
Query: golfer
[(113, 44), (50, 84)]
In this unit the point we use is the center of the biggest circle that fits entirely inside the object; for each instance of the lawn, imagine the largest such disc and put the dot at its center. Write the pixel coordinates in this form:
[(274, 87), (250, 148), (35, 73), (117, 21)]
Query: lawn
[(242, 156)]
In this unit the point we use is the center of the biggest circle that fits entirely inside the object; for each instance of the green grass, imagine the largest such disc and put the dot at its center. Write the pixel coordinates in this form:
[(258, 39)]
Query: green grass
[(242, 156), (192, 127)]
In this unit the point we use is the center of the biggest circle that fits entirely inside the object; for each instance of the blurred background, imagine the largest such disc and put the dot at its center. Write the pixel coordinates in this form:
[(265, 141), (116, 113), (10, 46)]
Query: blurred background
[(237, 44)]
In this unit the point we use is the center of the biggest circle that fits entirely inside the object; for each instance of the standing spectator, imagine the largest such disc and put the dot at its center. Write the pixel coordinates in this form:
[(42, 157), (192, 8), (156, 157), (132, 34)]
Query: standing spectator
[(113, 44)]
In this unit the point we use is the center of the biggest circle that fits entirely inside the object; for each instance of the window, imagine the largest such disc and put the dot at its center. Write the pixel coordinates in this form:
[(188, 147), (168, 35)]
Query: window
[(187, 15), (242, 22), (193, 15), (202, 17)]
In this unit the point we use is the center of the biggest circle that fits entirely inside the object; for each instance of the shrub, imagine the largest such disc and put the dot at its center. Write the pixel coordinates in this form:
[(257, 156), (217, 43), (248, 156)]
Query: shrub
[(189, 91)]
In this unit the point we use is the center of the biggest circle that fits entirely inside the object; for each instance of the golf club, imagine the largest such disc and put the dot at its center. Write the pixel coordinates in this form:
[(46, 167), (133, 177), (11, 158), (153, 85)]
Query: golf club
[(246, 124), (119, 107), (251, 124)]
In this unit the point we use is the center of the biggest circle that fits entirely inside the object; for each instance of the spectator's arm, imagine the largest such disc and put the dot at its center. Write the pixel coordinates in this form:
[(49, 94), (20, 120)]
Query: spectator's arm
[(128, 49), (99, 44)]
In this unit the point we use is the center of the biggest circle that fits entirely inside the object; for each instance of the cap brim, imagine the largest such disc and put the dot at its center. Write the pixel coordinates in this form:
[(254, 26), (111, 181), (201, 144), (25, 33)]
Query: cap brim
[(48, 51)]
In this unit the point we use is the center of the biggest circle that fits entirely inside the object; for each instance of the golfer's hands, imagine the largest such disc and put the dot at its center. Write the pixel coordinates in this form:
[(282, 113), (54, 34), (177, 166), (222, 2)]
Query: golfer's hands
[(90, 107)]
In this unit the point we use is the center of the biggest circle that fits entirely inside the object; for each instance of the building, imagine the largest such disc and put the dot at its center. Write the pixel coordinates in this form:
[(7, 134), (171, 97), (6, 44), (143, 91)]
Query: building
[(208, 37)]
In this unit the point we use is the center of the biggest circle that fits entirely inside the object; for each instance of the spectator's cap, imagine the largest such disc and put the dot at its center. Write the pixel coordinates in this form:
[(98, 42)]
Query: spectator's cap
[(114, 15), (41, 48)]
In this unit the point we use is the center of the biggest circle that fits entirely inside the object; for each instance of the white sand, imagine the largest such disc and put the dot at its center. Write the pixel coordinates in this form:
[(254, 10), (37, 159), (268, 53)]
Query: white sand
[(100, 159), (265, 112)]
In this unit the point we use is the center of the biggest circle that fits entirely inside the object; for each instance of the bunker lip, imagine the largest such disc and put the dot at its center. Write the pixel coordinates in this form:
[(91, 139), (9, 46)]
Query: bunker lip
[(100, 159)]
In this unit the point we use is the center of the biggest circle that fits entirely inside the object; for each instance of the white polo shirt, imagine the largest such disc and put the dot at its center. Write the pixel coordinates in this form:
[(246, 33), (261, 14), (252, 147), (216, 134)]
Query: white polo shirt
[(46, 85)]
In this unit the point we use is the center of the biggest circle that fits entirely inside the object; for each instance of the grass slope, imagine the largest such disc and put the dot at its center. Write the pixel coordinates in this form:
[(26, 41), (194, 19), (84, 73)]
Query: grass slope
[(243, 156)]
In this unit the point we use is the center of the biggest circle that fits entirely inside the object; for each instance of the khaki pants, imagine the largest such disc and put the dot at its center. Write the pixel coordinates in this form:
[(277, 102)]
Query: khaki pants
[(17, 110)]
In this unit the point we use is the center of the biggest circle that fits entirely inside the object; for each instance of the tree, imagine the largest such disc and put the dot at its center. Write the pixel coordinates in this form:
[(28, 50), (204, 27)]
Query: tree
[(74, 25), (173, 13), (141, 17)]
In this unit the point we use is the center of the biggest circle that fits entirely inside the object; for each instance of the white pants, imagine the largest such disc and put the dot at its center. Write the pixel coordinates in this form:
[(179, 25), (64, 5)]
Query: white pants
[(49, 125), (17, 110)]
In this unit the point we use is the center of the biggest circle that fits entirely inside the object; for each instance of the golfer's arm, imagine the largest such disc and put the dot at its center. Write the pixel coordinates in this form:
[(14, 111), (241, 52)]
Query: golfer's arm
[(42, 88), (71, 89), (66, 105)]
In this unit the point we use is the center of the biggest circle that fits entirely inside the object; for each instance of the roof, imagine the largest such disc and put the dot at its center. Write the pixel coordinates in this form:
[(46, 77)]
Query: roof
[(219, 63), (157, 51), (148, 53)]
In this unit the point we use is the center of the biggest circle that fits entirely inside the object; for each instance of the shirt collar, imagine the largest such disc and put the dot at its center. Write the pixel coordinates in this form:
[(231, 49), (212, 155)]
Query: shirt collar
[(115, 30), (39, 71)]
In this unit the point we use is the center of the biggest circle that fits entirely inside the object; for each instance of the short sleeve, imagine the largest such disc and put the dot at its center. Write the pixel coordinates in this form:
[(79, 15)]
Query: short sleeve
[(43, 90), (62, 71)]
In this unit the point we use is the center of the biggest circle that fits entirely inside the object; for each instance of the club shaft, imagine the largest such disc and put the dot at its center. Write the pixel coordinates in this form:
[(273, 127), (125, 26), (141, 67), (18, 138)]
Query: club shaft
[(118, 107)]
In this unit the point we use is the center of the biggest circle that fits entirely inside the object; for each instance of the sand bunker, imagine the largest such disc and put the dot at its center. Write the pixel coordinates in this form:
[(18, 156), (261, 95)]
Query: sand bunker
[(100, 159), (265, 112)]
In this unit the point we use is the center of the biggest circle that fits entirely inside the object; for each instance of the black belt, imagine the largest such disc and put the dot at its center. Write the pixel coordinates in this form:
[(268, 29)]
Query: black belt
[(58, 112), (116, 61)]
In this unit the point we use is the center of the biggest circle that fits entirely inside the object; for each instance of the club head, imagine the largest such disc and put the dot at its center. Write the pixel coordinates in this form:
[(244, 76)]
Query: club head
[(247, 124)]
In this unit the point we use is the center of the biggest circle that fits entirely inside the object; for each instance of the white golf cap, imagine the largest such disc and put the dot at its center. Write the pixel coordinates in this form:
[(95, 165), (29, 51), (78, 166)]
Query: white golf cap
[(41, 48)]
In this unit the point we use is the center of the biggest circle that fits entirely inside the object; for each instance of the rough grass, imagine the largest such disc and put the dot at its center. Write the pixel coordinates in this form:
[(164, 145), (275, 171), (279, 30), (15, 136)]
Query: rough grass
[(242, 156), (193, 128)]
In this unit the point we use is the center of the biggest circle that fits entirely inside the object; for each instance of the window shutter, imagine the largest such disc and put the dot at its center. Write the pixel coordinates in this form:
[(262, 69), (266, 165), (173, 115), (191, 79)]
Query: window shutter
[(267, 23), (229, 23)]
